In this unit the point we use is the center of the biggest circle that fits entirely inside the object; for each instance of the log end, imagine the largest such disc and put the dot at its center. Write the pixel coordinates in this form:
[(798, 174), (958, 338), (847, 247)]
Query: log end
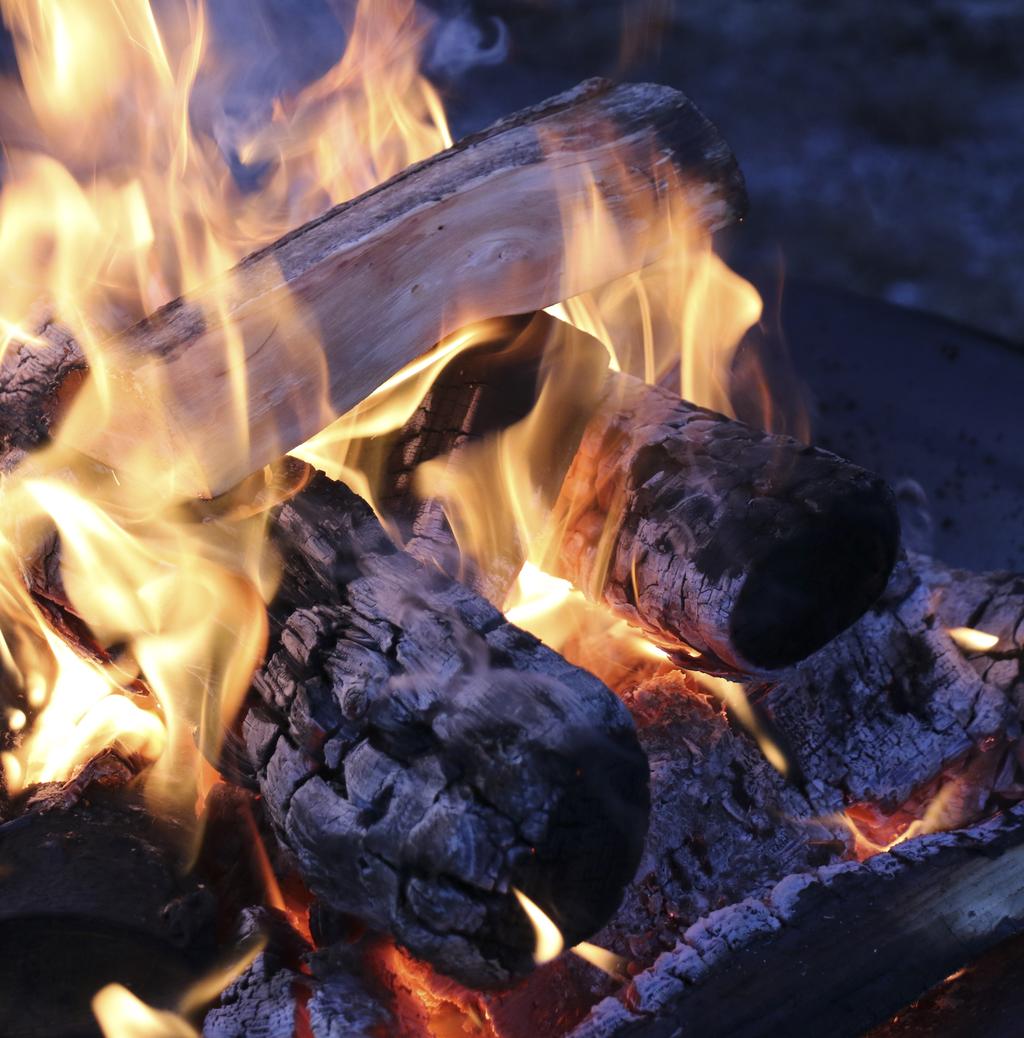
[(419, 800), (818, 580)]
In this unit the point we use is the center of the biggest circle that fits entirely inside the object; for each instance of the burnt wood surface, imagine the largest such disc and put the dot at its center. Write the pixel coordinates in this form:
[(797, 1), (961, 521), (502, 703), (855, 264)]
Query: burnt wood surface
[(94, 891), (833, 951), (753, 549), (289, 991), (474, 232), (885, 706), (420, 756)]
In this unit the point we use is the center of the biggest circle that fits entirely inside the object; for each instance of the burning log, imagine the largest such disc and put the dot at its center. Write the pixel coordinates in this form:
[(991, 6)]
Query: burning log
[(755, 550), (724, 822), (474, 232), (752, 549), (856, 942), (93, 892), (724, 825), (420, 756)]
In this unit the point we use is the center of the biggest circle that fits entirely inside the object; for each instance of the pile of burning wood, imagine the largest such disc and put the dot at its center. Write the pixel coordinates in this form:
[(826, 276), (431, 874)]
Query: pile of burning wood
[(795, 811)]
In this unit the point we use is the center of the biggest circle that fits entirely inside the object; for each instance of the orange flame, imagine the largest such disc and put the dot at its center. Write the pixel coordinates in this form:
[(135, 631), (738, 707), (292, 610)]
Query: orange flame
[(113, 203)]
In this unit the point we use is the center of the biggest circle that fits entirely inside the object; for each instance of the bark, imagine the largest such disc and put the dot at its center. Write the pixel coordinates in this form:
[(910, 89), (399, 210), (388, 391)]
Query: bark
[(475, 232), (886, 706), (751, 548), (92, 892), (420, 756), (836, 950)]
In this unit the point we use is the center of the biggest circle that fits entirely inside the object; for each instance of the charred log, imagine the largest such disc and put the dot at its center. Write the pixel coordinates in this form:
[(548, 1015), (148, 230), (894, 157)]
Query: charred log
[(884, 707), (755, 550), (724, 826), (846, 945), (992, 603), (751, 548), (93, 892), (420, 756), (289, 990)]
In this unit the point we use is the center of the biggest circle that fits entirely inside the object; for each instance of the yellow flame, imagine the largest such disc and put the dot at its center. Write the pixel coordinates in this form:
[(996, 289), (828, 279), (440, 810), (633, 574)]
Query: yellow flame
[(971, 640), (116, 200), (606, 961), (549, 942), (584, 632), (734, 696), (123, 1015)]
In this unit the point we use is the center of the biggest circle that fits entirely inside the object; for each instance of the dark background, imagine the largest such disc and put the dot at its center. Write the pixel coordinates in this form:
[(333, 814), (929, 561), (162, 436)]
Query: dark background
[(883, 143)]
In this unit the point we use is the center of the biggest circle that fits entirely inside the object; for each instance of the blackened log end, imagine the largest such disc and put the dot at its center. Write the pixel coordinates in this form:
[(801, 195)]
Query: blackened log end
[(819, 578), (425, 769)]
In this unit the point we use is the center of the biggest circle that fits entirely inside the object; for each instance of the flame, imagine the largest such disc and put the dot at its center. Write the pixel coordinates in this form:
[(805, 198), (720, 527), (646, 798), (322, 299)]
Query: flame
[(550, 943), (118, 196), (583, 632), (971, 640), (676, 322), (121, 1014)]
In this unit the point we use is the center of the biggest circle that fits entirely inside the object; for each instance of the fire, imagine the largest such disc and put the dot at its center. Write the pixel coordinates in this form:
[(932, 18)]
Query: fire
[(123, 1015), (971, 640), (550, 943), (584, 632), (116, 199)]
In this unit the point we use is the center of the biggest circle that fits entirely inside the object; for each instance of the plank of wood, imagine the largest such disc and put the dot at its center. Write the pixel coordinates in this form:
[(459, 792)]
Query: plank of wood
[(833, 951), (474, 232)]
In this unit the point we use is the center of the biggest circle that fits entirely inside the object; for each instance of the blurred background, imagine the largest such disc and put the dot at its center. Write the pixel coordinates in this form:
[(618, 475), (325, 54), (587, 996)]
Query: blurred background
[(881, 141)]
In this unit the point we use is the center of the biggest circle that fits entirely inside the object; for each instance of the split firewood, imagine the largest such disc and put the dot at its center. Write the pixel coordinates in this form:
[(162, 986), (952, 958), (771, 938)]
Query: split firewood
[(92, 892), (421, 757), (477, 231), (833, 951), (743, 551)]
